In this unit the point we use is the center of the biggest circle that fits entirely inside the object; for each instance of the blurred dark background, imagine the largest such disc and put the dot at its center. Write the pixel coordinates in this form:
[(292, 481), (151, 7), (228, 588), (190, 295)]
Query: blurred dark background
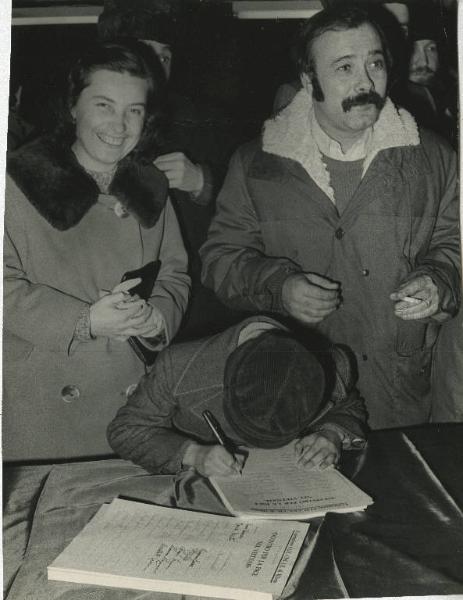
[(221, 61)]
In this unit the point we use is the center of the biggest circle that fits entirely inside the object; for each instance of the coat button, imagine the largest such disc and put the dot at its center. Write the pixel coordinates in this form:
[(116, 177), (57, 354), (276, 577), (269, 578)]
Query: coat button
[(70, 393), (365, 272), (339, 233), (364, 357), (120, 210), (130, 390)]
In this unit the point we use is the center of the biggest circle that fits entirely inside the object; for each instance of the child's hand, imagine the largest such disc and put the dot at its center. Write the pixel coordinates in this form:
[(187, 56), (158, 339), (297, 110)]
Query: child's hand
[(212, 460), (318, 450)]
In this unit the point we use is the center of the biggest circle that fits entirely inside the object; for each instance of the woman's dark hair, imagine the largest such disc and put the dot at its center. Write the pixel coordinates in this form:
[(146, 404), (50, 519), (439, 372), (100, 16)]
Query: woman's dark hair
[(337, 18), (121, 56)]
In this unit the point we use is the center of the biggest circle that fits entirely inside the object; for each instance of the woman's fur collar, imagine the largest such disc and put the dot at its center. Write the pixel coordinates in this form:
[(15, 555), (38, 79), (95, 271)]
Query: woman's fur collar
[(62, 192), (289, 135)]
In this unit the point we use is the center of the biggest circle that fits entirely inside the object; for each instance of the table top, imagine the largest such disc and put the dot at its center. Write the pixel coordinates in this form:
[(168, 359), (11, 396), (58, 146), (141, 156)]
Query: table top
[(409, 542)]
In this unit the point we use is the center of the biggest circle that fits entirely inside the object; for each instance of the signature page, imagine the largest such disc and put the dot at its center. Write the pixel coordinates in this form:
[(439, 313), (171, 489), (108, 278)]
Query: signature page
[(141, 546), (272, 485)]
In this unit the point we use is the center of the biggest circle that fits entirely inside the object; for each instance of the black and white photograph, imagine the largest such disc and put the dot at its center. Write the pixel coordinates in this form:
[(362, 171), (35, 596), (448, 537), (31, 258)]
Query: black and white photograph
[(232, 343)]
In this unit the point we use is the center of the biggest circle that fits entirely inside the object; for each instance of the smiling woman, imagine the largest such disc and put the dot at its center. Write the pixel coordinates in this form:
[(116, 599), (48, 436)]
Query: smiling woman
[(109, 114), (84, 205)]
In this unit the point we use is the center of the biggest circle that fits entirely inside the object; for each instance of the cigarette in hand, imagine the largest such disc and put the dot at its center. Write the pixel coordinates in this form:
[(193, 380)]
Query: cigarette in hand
[(412, 300)]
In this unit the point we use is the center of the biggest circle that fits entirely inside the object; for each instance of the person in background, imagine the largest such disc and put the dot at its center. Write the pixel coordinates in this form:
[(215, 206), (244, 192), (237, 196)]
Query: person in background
[(155, 25), (344, 216), (194, 152), (401, 12), (430, 93), (264, 387), (432, 90), (83, 206), (287, 90)]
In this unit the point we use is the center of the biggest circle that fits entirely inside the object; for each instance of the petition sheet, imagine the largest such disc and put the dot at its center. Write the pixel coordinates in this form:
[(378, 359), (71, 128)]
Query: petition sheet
[(131, 539), (272, 482)]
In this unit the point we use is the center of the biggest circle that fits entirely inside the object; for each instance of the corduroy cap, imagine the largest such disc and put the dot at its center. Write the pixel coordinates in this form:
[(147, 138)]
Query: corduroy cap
[(273, 389), (140, 19)]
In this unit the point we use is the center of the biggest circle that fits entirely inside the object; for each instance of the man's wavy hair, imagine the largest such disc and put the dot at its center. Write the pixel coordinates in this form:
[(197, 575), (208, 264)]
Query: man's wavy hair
[(336, 18), (120, 56)]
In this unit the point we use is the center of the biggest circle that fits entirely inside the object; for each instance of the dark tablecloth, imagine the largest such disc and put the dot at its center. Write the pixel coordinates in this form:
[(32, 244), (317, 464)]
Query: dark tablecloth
[(409, 542)]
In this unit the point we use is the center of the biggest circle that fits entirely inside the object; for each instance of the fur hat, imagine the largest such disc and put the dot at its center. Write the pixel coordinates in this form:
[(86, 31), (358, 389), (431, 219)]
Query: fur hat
[(273, 389)]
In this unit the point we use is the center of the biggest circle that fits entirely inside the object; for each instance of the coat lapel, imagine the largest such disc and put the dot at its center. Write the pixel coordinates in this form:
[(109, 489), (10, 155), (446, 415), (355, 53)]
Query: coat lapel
[(307, 187), (289, 136), (377, 182), (289, 173), (385, 178), (62, 192)]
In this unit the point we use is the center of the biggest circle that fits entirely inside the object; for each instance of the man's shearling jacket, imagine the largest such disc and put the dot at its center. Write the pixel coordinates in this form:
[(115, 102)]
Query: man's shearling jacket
[(276, 215)]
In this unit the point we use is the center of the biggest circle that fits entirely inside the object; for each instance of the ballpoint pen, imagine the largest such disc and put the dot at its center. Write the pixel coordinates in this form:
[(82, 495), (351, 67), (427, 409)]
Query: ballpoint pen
[(219, 434)]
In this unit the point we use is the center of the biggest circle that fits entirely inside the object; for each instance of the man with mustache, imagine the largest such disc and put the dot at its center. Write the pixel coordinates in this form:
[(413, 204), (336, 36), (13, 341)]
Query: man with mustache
[(344, 216), (432, 92), (424, 62)]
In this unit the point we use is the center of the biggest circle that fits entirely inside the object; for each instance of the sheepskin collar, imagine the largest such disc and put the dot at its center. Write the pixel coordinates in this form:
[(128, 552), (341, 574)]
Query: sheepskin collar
[(62, 191), (289, 135)]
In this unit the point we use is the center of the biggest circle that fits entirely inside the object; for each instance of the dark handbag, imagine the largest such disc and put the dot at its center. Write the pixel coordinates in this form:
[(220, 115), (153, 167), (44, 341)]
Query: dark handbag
[(148, 274)]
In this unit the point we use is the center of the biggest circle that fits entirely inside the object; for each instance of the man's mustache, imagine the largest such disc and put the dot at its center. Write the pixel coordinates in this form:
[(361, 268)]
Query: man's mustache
[(370, 97)]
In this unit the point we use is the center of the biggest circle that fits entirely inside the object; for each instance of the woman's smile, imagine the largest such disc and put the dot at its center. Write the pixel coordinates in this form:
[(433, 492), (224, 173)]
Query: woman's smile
[(111, 140)]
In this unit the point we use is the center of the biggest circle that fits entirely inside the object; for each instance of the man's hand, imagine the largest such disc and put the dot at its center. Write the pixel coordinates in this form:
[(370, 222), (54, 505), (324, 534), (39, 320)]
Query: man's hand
[(181, 173), (212, 460), (309, 297), (416, 299), (318, 450)]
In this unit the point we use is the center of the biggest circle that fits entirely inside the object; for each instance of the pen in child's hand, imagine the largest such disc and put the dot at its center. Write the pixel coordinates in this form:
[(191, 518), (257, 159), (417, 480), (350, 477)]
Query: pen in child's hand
[(221, 437)]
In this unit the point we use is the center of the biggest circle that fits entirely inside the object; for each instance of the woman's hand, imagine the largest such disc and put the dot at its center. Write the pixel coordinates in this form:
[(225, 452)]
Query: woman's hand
[(212, 460), (117, 314), (318, 450), (154, 325)]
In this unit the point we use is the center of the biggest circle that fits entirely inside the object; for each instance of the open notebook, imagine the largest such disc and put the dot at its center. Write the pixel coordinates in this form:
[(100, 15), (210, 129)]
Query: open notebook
[(272, 486), (146, 547)]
